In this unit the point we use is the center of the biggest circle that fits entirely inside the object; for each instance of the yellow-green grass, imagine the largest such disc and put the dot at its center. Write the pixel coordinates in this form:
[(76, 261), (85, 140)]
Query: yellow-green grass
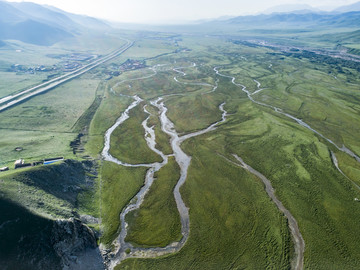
[(162, 139), (42, 126), (49, 190), (110, 110), (296, 161), (127, 142), (12, 83), (307, 183), (118, 186), (349, 166), (36, 145), (158, 85), (146, 48), (194, 112), (233, 224), (56, 110), (318, 94), (157, 222)]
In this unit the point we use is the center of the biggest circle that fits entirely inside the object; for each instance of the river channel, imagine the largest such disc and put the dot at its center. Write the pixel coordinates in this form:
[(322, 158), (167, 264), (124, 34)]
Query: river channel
[(124, 250)]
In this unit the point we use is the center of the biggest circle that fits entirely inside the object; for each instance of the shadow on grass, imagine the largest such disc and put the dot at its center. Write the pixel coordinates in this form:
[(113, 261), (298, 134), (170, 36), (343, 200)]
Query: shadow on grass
[(25, 239), (65, 181)]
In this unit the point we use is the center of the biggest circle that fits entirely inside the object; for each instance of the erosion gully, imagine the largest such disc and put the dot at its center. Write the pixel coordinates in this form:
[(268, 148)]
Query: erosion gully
[(124, 250)]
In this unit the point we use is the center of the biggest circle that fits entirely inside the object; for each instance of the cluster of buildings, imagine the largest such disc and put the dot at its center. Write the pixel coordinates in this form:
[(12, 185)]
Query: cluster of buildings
[(20, 163), (32, 70), (132, 64), (116, 70), (68, 63)]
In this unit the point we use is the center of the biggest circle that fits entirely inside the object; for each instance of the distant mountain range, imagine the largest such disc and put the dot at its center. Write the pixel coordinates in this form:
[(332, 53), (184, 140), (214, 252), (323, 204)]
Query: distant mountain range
[(298, 20), (291, 8), (42, 25), (46, 25), (349, 8), (303, 8)]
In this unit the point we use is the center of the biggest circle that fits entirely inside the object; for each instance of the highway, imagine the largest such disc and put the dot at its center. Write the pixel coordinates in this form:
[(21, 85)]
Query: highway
[(46, 86)]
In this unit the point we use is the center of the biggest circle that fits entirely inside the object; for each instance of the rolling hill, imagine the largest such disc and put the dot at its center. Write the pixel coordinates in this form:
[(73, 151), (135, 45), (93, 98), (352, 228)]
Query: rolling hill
[(42, 25), (349, 8), (349, 19)]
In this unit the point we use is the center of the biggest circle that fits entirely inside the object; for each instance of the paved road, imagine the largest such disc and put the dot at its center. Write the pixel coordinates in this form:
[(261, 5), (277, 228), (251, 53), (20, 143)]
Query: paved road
[(43, 87)]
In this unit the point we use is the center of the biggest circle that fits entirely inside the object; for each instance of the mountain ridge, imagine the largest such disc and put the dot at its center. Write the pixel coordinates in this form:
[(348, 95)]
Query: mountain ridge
[(42, 25)]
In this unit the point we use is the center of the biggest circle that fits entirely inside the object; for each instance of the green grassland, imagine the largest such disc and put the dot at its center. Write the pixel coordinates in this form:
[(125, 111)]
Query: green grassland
[(146, 48), (50, 191), (320, 95), (16, 52), (308, 185), (162, 139), (106, 115), (296, 161), (14, 82), (193, 112), (158, 85), (233, 223), (43, 126), (157, 223), (128, 143), (36, 145), (118, 186), (349, 166)]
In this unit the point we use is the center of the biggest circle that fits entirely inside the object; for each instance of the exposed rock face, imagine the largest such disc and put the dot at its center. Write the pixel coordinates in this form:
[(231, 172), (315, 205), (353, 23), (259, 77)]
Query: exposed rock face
[(75, 244)]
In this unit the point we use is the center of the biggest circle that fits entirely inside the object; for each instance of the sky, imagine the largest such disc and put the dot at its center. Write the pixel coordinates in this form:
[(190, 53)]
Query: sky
[(158, 11)]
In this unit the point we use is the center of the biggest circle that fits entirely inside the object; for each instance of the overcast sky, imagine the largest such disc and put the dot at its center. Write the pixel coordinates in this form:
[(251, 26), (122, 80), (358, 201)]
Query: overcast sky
[(173, 10)]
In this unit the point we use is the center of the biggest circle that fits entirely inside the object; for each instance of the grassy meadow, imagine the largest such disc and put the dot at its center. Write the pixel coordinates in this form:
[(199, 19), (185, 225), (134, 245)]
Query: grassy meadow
[(157, 223), (43, 126), (296, 161), (233, 223), (127, 142)]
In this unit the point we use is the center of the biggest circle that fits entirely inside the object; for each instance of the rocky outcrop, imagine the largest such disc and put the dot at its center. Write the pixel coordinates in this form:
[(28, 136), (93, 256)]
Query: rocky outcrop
[(76, 246)]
